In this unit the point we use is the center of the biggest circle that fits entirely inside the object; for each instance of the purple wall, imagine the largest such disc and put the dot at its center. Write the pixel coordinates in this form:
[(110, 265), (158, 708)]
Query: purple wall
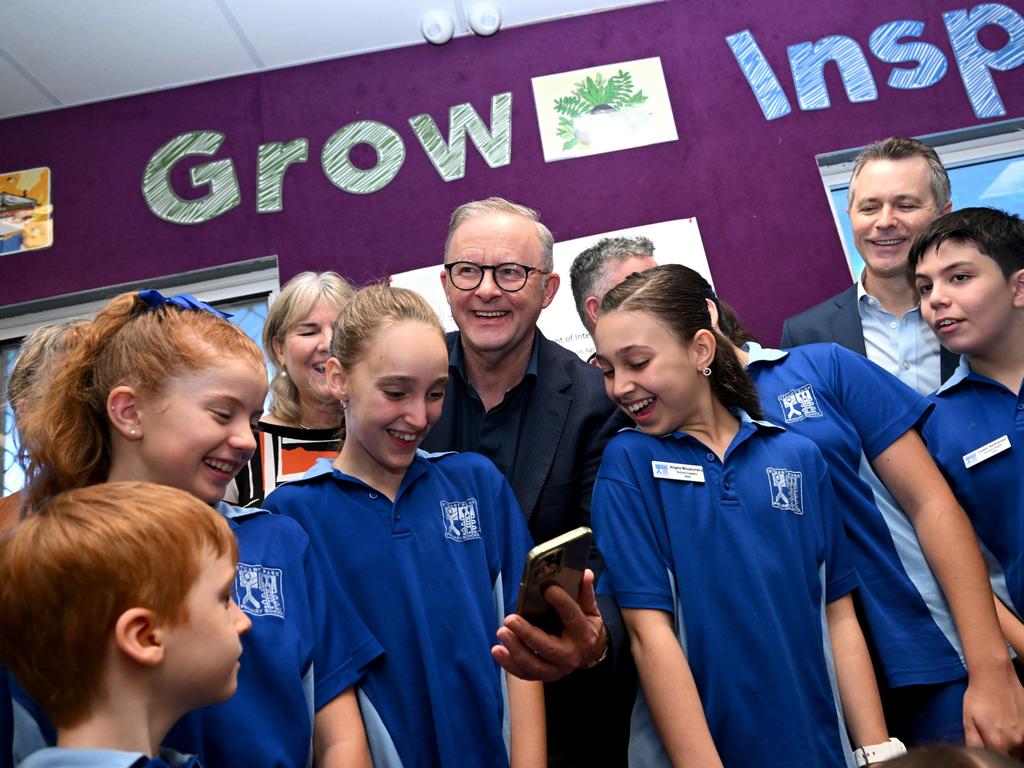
[(752, 184)]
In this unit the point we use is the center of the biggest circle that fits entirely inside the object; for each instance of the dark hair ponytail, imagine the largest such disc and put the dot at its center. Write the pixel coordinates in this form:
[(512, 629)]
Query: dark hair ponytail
[(677, 297)]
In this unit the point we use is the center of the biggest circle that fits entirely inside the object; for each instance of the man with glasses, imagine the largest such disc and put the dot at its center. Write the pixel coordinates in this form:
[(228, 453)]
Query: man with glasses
[(541, 415)]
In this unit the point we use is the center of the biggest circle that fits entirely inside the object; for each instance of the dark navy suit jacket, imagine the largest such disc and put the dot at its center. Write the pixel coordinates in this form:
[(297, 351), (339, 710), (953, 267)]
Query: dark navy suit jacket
[(838, 319)]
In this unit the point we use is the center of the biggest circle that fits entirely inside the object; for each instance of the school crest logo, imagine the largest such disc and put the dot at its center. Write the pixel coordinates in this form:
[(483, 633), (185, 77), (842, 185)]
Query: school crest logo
[(259, 590), (799, 404), (461, 522), (787, 489)]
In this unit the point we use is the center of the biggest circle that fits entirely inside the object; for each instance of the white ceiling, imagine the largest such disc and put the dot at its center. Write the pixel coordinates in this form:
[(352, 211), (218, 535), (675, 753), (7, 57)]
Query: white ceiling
[(59, 53)]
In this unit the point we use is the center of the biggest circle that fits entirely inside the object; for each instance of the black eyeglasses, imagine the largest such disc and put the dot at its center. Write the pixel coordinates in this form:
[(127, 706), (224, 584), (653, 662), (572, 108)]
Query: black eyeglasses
[(509, 277)]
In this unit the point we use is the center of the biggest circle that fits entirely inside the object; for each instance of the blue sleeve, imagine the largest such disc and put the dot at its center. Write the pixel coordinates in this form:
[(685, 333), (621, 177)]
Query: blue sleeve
[(630, 535), (841, 575), (344, 645), (880, 406), (515, 541)]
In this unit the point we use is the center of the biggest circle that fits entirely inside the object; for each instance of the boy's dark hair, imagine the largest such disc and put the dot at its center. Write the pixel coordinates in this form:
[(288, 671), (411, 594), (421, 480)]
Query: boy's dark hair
[(995, 233)]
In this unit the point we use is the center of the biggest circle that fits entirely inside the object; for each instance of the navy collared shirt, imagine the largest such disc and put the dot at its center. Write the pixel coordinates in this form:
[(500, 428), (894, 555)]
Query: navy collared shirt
[(494, 433)]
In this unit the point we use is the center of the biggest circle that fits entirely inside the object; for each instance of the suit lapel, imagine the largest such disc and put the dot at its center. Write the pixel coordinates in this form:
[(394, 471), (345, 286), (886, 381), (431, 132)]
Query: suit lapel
[(542, 428), (845, 322)]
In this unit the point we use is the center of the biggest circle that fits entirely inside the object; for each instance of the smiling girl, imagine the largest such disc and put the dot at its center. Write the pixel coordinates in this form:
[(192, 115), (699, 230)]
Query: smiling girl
[(168, 391), (428, 545), (725, 551)]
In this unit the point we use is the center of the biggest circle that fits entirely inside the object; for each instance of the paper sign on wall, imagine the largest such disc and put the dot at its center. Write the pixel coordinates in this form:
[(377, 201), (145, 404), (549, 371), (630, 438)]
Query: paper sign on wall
[(603, 109)]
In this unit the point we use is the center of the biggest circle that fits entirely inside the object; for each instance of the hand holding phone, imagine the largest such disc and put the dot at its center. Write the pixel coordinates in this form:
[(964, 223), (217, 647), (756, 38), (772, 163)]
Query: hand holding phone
[(560, 561)]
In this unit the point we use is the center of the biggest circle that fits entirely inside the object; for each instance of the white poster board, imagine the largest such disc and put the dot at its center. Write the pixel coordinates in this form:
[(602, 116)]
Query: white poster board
[(675, 242)]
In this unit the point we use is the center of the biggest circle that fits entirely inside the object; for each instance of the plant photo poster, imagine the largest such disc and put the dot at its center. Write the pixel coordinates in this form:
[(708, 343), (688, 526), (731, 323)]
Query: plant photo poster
[(603, 109)]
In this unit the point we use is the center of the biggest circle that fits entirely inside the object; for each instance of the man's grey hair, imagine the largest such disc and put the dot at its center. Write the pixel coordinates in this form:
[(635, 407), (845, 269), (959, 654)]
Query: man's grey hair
[(470, 210), (590, 268), (902, 148)]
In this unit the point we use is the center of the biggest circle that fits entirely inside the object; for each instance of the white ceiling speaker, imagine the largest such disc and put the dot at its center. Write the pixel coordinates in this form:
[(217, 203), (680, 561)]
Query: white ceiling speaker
[(437, 27), (484, 18)]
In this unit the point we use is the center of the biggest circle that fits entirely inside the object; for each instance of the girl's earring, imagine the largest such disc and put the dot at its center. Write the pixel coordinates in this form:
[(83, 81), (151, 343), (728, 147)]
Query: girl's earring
[(133, 432), (344, 402), (706, 372), (284, 373)]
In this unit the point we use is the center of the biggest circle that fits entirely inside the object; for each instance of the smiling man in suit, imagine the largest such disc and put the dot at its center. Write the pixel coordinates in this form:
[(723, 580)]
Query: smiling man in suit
[(541, 415), (898, 187)]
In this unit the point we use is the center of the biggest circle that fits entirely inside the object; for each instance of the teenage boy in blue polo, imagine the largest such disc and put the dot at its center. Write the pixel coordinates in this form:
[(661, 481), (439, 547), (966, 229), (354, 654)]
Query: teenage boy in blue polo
[(968, 268)]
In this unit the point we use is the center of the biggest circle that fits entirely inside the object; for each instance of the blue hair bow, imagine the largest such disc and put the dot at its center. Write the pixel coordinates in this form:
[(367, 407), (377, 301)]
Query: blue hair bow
[(182, 301)]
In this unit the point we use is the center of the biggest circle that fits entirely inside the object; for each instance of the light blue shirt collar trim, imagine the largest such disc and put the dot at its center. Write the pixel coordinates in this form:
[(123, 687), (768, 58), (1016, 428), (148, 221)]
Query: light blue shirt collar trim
[(739, 413), (232, 512), (962, 372), (758, 354), (64, 757), (325, 466)]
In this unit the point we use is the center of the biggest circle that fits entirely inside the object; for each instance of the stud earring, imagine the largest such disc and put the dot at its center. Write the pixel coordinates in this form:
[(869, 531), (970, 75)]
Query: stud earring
[(133, 432), (706, 372)]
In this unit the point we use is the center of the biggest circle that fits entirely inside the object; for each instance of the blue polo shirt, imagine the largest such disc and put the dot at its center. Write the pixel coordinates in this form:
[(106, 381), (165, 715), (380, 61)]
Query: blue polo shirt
[(432, 575), (853, 410), (744, 554), (306, 646), (972, 412)]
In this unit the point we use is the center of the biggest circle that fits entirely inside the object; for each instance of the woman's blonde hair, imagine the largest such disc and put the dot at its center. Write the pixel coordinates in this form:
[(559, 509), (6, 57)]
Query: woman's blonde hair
[(372, 309), (65, 431), (297, 300)]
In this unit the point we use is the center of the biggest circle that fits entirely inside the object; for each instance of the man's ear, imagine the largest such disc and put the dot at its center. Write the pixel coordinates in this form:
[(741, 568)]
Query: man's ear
[(122, 411), (713, 311), (337, 381), (1017, 284), (591, 305), (550, 288), (139, 637)]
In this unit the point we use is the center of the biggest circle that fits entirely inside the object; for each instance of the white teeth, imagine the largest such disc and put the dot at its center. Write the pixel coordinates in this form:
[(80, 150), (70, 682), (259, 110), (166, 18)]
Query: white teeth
[(888, 242), (405, 436), (946, 322), (491, 314), (639, 405), (221, 466)]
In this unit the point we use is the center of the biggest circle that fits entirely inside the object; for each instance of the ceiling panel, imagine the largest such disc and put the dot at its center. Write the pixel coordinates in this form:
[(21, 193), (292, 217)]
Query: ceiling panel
[(90, 50), (68, 52), (17, 95), (311, 30)]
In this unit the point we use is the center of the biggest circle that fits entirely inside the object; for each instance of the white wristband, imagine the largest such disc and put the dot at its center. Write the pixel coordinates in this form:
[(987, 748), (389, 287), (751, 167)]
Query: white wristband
[(879, 753)]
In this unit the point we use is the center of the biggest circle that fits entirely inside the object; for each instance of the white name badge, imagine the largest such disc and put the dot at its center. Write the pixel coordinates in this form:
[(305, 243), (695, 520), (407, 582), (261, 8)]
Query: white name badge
[(689, 473), (978, 455)]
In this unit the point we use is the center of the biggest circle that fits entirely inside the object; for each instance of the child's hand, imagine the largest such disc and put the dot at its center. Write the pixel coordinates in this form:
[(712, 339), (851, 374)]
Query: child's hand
[(994, 711)]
